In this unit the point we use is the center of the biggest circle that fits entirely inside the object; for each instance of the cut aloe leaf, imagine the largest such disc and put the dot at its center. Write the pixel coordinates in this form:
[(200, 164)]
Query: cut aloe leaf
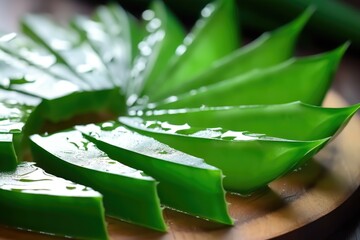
[(186, 183), (128, 194), (111, 36), (69, 49), (305, 79), (64, 108), (248, 161), (17, 97), (17, 75), (8, 157), (294, 120), (164, 35), (13, 116), (121, 24), (268, 50), (214, 36), (22, 51), (33, 200)]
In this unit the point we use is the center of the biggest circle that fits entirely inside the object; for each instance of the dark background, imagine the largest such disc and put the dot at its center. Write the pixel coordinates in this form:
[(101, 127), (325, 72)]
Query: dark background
[(346, 81)]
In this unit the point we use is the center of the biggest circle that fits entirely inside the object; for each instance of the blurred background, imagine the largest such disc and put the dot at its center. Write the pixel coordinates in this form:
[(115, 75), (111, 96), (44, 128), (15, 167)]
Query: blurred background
[(334, 23)]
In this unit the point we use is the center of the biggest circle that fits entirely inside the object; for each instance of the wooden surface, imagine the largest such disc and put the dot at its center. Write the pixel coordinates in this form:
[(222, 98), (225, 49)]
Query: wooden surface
[(285, 209)]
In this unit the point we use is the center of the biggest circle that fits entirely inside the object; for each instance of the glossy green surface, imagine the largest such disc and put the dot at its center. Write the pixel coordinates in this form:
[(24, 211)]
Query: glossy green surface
[(176, 172), (17, 97), (60, 109), (129, 195), (20, 51), (164, 35), (248, 161), (215, 35), (304, 79), (69, 48), (31, 199), (110, 36), (20, 77), (295, 120), (268, 50), (8, 159), (13, 116)]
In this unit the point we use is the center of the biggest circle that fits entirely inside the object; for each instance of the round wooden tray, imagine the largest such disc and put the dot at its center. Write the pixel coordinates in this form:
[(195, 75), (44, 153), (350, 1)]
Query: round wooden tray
[(289, 204)]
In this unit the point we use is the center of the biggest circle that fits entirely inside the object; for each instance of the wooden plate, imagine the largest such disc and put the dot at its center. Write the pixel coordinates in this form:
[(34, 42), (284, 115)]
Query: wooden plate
[(289, 204)]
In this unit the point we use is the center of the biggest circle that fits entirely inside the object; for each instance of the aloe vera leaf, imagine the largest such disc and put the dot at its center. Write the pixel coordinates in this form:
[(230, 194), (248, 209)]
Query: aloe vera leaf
[(186, 183), (7, 152), (69, 49), (248, 161), (110, 53), (164, 34), (63, 108), (13, 116), (61, 99), (22, 50), (110, 35), (304, 79), (294, 120), (268, 50), (128, 194), (18, 76), (214, 36), (33, 200), (114, 17), (17, 97)]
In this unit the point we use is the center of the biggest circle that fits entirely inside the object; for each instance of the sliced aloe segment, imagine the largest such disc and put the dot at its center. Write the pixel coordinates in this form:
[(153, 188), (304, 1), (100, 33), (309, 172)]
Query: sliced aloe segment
[(128, 194), (70, 49), (248, 161), (17, 97), (214, 36), (120, 24), (64, 108), (22, 51), (294, 120), (164, 35), (186, 183), (304, 79), (13, 116), (268, 50), (19, 76), (33, 200), (8, 159), (110, 35)]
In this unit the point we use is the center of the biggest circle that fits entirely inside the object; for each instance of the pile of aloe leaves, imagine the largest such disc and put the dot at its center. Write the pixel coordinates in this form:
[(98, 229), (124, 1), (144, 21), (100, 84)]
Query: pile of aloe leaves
[(197, 114)]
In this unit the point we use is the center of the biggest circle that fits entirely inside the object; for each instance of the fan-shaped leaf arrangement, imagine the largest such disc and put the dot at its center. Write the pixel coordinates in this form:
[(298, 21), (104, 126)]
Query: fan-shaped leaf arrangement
[(197, 116)]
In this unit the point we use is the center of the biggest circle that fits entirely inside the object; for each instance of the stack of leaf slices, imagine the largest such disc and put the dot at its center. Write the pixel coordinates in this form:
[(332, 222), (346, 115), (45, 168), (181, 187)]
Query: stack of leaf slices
[(198, 116)]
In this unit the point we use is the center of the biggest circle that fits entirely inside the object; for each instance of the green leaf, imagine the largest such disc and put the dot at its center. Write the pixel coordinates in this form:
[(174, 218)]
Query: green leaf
[(269, 49), (128, 194), (294, 120), (164, 34), (214, 36), (8, 156), (63, 108), (19, 76), (304, 79), (33, 200), (23, 53), (176, 171), (69, 49), (13, 116), (248, 161)]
